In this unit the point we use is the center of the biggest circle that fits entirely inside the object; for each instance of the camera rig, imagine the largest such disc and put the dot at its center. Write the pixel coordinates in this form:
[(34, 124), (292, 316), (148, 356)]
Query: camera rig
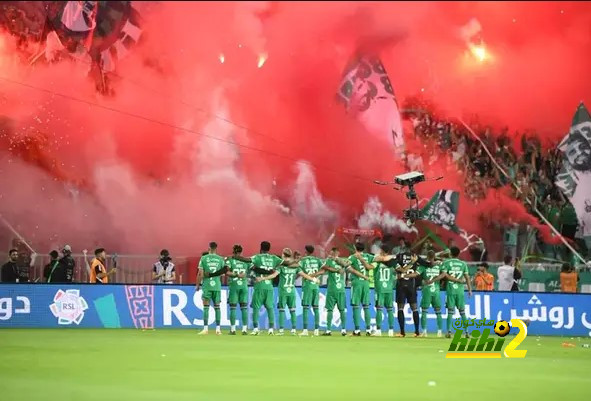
[(413, 213)]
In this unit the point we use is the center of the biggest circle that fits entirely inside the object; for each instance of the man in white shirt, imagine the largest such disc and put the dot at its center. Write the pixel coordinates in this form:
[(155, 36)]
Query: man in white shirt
[(163, 271), (507, 275)]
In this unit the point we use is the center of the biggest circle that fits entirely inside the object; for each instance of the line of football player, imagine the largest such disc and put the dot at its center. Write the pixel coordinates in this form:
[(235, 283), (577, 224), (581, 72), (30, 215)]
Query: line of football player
[(405, 269)]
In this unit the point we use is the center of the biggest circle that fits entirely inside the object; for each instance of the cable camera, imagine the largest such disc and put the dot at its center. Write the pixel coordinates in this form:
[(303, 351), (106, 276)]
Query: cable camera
[(413, 213)]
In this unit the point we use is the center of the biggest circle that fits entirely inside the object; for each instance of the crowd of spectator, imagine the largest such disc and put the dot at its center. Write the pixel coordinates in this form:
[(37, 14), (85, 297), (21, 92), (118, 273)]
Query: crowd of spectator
[(531, 171), (25, 20)]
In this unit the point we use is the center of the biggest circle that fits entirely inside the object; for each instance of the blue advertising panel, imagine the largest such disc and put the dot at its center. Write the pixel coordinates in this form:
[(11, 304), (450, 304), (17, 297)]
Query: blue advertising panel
[(163, 306)]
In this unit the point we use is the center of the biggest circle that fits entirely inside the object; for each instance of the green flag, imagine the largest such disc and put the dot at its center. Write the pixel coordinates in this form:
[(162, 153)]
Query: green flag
[(574, 178), (442, 209)]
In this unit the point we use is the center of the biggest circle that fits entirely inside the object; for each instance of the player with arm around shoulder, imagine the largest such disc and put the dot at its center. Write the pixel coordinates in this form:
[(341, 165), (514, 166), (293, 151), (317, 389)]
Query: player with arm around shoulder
[(311, 266), (289, 271), (361, 263), (431, 271), (238, 296), (211, 267), (457, 274), (384, 289), (264, 266), (336, 268)]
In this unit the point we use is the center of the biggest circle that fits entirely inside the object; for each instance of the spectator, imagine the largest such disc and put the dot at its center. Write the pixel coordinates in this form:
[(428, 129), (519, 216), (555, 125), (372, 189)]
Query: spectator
[(569, 220), (16, 269), (52, 273), (68, 264), (98, 269), (163, 271), (402, 247), (10, 271), (427, 246), (568, 278), (510, 235), (357, 239), (483, 280), (533, 173), (507, 275)]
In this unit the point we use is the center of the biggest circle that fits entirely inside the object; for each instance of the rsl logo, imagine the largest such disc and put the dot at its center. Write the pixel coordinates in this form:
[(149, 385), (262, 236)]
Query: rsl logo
[(481, 345), (68, 306)]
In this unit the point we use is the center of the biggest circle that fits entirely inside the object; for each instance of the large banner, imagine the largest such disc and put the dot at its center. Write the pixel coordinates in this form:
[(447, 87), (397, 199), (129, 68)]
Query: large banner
[(164, 306)]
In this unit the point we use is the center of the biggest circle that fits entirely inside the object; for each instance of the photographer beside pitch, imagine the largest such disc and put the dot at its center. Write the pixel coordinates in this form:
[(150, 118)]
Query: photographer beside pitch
[(163, 271), (67, 264)]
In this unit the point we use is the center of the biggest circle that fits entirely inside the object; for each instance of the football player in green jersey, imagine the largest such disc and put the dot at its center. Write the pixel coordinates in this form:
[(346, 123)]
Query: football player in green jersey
[(263, 266), (384, 288), (311, 265), (456, 274), (237, 271), (211, 267), (431, 272), (360, 287), (288, 273), (335, 291)]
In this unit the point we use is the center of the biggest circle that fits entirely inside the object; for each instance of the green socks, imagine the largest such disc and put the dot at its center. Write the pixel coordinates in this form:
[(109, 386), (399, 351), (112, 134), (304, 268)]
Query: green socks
[(316, 318), (390, 319), (281, 318), (233, 315), (356, 317), (244, 311), (423, 319), (379, 317), (367, 317), (218, 315), (205, 316)]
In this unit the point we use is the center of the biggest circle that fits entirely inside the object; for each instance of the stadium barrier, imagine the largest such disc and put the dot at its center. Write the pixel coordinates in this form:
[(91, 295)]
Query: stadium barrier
[(175, 306)]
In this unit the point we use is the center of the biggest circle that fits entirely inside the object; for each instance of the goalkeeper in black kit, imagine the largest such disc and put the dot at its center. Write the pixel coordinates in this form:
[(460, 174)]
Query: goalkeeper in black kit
[(406, 288)]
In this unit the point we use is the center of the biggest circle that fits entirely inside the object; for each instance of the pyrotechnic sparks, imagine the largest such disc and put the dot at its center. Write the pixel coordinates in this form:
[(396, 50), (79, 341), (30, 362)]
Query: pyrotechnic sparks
[(262, 59), (479, 52)]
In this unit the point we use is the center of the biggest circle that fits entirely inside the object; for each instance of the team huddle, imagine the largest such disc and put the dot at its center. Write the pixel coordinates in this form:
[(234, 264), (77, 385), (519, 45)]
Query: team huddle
[(406, 268)]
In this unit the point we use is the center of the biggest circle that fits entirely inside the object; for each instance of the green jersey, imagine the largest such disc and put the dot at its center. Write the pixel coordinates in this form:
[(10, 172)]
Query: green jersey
[(336, 281), (310, 265), (238, 267), (287, 278), (357, 265), (429, 271), (384, 278), (268, 262), (211, 263), (455, 268)]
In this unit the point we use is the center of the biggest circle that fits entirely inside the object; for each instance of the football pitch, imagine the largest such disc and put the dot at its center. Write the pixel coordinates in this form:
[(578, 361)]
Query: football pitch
[(85, 364)]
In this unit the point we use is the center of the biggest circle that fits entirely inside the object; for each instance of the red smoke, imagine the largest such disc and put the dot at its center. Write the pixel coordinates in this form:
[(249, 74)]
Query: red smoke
[(149, 185)]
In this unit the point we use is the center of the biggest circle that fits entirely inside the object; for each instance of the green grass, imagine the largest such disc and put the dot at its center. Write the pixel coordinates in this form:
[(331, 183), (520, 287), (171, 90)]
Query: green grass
[(175, 365)]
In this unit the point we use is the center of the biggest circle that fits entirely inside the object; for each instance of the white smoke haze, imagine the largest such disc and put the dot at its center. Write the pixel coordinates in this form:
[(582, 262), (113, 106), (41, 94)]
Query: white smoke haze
[(374, 216), (308, 202)]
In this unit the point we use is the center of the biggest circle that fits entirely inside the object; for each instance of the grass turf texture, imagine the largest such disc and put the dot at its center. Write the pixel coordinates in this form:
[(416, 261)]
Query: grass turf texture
[(83, 364)]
